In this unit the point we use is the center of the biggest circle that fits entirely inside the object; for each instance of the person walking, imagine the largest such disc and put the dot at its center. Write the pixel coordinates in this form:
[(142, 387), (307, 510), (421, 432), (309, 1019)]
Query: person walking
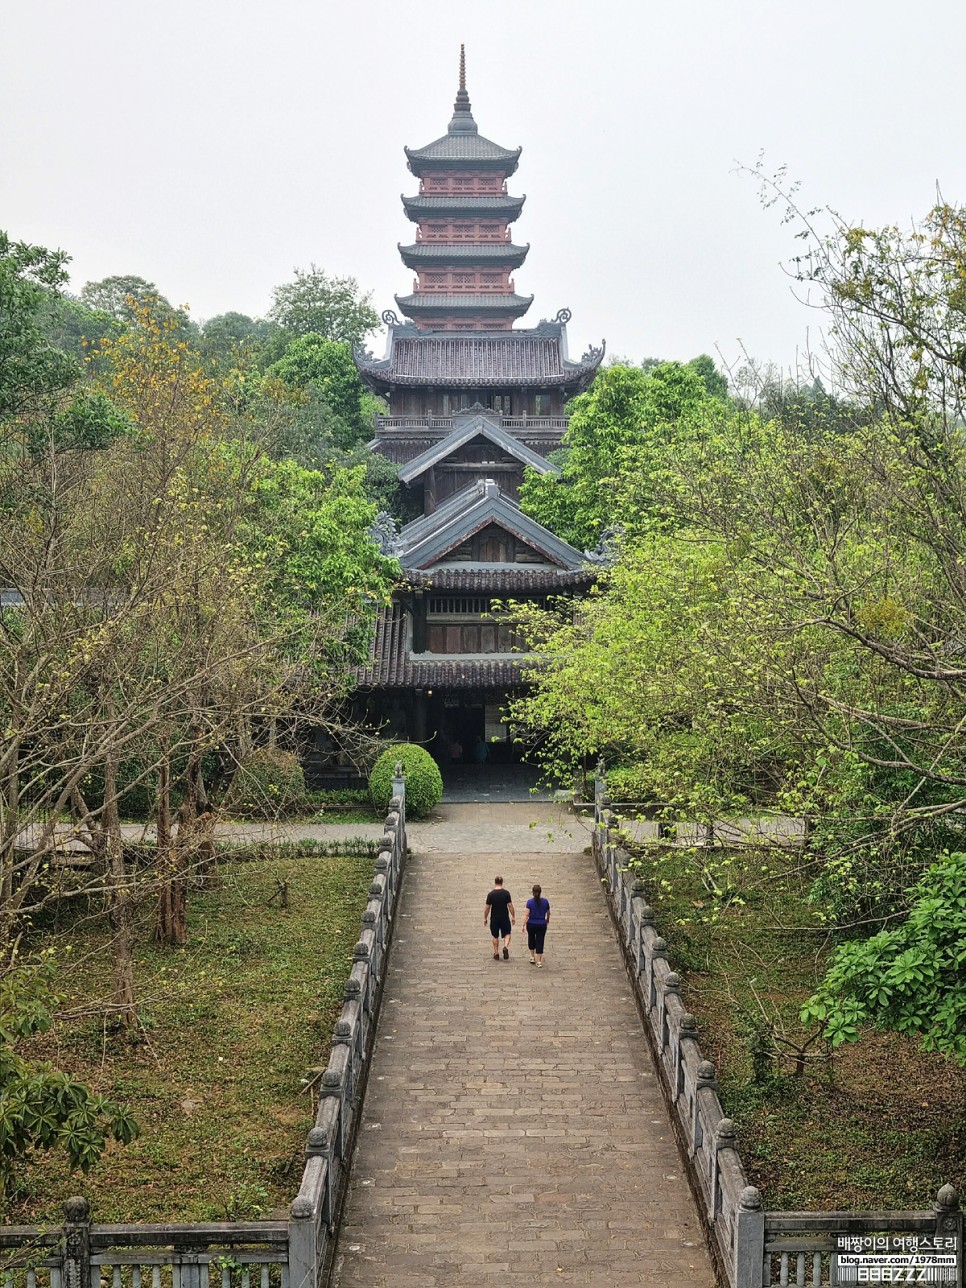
[(500, 913), (536, 919)]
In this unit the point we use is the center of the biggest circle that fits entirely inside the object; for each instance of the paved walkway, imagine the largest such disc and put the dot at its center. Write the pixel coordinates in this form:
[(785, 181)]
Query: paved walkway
[(513, 1124)]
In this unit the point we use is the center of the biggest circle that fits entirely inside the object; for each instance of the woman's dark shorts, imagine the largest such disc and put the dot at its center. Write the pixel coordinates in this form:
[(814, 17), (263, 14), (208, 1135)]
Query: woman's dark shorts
[(535, 937)]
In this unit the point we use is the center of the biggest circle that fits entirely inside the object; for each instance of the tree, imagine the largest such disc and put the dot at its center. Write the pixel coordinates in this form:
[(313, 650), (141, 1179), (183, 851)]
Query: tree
[(330, 307), (123, 297), (171, 588), (715, 384), (327, 368), (32, 370), (800, 595), (620, 423), (234, 340)]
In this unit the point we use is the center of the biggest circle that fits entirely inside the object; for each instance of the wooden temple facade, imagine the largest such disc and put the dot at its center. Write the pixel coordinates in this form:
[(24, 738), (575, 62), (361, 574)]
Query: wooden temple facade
[(473, 400)]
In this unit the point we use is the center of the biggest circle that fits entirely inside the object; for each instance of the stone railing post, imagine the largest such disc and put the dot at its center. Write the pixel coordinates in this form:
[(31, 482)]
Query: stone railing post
[(399, 791), (707, 1080), (725, 1138), (303, 1243), (949, 1222), (749, 1240), (77, 1243)]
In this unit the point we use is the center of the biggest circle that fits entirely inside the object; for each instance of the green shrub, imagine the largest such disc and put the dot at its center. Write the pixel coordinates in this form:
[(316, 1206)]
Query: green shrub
[(628, 783), (267, 783), (424, 783)]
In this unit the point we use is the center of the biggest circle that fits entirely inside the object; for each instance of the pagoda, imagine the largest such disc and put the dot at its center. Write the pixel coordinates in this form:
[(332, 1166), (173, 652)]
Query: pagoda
[(473, 401)]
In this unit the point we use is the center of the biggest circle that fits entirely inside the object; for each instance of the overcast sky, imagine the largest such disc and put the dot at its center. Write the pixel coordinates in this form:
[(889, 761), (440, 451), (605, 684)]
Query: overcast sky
[(212, 146)]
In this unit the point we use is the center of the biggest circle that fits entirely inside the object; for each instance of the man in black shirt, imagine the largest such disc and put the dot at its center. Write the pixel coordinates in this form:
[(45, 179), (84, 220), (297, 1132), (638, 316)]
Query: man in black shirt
[(498, 910)]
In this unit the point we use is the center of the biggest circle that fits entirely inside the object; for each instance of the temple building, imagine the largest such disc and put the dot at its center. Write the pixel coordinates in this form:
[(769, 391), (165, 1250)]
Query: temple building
[(473, 400)]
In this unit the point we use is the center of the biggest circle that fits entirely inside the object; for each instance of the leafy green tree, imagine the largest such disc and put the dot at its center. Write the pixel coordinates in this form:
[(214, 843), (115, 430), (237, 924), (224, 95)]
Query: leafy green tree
[(234, 340), (70, 325), (331, 307), (622, 423), (124, 297), (715, 383), (327, 368), (32, 369)]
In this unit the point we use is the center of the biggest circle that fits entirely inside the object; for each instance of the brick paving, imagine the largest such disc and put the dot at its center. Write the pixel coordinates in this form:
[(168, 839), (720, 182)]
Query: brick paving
[(513, 1124)]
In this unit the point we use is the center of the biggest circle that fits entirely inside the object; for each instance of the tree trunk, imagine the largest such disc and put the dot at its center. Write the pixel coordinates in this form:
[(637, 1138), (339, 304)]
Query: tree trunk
[(10, 808), (120, 900), (171, 923)]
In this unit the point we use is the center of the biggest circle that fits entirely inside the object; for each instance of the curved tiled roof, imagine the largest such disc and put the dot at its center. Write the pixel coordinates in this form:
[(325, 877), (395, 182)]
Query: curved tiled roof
[(463, 149), (501, 206), (427, 541), (463, 252), (474, 427), (495, 303), (392, 666), (476, 361), (511, 579)]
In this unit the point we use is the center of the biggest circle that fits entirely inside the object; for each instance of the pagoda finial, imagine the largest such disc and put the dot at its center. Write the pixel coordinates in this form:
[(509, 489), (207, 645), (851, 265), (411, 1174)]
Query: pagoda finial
[(462, 122)]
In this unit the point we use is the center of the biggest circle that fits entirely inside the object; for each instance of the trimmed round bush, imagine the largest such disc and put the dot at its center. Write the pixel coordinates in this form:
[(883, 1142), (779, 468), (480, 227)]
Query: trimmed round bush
[(267, 783), (424, 783)]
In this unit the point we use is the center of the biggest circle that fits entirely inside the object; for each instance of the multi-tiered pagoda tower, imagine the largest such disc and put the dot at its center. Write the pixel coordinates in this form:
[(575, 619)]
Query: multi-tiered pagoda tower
[(473, 402), (463, 253)]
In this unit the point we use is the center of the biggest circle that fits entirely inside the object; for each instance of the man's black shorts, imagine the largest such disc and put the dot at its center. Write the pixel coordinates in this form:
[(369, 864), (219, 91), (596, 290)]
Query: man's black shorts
[(499, 930)]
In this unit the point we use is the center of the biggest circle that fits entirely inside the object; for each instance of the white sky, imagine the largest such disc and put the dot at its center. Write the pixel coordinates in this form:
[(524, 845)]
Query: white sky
[(212, 146)]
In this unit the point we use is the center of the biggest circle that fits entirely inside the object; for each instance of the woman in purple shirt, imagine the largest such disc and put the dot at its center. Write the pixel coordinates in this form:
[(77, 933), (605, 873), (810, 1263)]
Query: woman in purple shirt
[(536, 919)]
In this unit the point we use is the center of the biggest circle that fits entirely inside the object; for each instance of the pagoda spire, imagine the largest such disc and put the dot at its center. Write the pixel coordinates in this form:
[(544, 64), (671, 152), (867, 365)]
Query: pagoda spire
[(462, 122)]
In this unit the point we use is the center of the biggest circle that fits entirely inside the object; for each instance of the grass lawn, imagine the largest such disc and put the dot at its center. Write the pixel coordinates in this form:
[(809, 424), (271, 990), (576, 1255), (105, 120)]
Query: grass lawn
[(229, 1025), (878, 1125)]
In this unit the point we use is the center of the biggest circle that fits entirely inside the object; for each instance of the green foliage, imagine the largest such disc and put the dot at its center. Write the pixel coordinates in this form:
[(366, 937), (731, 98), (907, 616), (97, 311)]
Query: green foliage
[(70, 325), (908, 977), (327, 366), (32, 370), (309, 534), (234, 341), (123, 298), (878, 830), (628, 782), (88, 422), (783, 625), (42, 1108), (628, 422), (267, 783), (424, 783), (330, 307), (715, 383)]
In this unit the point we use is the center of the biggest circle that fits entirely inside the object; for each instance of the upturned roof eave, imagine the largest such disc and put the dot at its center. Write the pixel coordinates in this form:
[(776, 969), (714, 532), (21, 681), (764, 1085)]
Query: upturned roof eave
[(499, 204), (428, 544), (440, 254), (464, 434), (415, 306), (433, 157)]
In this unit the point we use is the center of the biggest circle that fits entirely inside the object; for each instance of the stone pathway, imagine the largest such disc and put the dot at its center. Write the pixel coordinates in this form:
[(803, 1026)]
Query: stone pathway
[(513, 1123)]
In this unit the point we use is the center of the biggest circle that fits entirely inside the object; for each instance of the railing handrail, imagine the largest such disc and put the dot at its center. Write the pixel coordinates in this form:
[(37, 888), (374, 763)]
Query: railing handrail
[(446, 422), (302, 1245), (742, 1236)]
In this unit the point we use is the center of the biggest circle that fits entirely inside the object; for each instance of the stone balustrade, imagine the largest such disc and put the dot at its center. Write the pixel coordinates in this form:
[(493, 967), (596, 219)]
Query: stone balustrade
[(296, 1253), (751, 1247)]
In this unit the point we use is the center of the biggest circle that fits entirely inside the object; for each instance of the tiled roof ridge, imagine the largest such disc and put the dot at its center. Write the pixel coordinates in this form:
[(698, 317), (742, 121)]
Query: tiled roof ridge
[(494, 301)]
